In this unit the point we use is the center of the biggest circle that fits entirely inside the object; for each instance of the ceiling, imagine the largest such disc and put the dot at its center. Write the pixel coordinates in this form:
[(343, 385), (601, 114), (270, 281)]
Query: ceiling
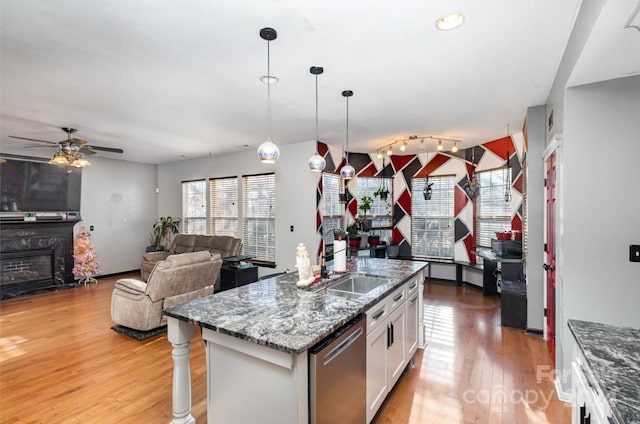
[(167, 80)]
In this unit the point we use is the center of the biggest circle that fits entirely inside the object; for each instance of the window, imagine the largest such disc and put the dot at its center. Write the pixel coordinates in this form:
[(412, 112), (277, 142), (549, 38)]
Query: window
[(223, 204), (493, 213), (432, 230), (331, 208), (194, 207), (380, 213), (259, 216)]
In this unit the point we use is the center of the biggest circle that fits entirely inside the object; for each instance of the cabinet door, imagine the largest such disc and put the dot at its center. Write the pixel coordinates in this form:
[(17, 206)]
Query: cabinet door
[(377, 384), (396, 353), (412, 324)]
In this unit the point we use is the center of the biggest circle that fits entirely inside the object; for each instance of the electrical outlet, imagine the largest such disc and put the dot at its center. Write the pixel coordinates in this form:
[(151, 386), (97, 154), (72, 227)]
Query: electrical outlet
[(634, 252), (90, 227), (291, 228)]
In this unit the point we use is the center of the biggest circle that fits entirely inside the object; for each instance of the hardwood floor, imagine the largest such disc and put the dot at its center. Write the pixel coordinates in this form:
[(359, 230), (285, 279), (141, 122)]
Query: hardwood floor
[(61, 363)]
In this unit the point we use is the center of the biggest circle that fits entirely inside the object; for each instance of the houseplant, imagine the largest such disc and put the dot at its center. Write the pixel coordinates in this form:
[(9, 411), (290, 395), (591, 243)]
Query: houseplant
[(365, 206), (163, 228), (354, 237), (392, 248), (382, 193)]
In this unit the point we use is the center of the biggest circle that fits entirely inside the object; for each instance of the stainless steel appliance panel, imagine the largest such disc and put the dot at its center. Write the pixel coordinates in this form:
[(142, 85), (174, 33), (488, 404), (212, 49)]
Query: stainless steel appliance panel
[(337, 376)]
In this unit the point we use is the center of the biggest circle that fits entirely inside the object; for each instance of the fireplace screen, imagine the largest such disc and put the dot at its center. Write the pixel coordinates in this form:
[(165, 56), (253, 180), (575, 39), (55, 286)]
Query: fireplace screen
[(26, 270)]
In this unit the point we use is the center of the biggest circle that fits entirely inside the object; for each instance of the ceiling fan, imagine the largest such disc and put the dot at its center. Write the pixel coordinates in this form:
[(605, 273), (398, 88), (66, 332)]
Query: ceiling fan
[(72, 150)]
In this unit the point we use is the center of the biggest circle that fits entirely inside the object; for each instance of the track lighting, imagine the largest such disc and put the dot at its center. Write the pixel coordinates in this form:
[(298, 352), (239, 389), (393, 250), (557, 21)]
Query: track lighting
[(440, 146), (454, 149), (390, 150), (403, 146)]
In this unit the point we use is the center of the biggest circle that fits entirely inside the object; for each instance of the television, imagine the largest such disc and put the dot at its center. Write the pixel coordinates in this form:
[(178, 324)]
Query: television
[(39, 188)]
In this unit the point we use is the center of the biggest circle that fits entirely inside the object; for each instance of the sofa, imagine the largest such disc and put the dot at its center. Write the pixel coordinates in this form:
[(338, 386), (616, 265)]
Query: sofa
[(183, 243), (179, 278)]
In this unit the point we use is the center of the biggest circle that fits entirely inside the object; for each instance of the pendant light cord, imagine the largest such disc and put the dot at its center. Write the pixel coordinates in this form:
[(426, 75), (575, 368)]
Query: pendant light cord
[(347, 155), (268, 92)]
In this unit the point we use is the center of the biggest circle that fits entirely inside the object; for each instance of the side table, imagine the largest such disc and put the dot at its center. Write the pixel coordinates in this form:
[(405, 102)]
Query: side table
[(232, 276)]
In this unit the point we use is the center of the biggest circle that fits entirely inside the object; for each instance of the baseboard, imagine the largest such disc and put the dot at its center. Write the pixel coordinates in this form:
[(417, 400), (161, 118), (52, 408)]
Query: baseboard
[(534, 331), (562, 395), (115, 274)]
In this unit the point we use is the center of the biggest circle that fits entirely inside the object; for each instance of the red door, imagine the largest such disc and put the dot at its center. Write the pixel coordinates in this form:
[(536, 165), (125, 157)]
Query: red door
[(550, 256)]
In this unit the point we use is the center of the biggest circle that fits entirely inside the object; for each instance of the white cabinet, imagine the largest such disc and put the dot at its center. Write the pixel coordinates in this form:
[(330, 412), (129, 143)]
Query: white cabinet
[(392, 337), (413, 315), (588, 402)]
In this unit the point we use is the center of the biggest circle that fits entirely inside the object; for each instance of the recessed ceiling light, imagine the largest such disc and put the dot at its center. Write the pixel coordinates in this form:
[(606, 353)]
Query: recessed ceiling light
[(269, 79), (450, 21)]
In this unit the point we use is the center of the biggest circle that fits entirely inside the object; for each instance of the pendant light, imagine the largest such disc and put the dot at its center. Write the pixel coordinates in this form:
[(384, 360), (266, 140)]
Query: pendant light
[(268, 152), (317, 162), (440, 146), (347, 172)]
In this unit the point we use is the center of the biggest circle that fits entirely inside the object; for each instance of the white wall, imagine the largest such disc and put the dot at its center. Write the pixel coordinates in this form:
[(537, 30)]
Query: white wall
[(295, 193), (536, 136), (119, 200), (601, 207)]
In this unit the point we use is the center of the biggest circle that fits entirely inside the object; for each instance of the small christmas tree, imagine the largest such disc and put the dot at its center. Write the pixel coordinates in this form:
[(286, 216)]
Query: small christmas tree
[(84, 255)]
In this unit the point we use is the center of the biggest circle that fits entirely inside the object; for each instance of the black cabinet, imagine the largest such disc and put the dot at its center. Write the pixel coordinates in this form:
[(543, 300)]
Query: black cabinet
[(233, 276), (513, 310)]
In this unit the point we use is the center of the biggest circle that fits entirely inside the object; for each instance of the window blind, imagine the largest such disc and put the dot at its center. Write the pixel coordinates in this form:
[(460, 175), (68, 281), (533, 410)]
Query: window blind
[(432, 230), (259, 216), (493, 213), (330, 207), (223, 206), (194, 207)]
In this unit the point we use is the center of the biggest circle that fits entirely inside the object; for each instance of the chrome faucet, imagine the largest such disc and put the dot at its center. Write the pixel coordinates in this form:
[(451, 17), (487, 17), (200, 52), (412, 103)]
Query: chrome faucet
[(323, 256)]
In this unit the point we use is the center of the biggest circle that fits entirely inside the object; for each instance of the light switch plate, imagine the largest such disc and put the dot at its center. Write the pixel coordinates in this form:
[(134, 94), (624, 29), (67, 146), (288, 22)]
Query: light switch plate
[(634, 252)]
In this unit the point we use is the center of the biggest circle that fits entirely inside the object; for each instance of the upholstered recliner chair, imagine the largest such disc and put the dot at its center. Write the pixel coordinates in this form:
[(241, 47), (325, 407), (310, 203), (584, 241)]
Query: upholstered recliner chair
[(184, 243), (178, 279)]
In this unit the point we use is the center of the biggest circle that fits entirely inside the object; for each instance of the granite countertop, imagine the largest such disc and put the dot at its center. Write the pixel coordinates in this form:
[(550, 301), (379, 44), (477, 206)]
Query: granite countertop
[(275, 313), (613, 354)]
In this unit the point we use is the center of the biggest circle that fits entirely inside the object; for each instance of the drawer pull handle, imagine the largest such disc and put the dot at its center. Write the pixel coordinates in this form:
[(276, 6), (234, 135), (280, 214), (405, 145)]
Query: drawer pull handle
[(378, 314), (398, 297), (414, 299), (413, 286)]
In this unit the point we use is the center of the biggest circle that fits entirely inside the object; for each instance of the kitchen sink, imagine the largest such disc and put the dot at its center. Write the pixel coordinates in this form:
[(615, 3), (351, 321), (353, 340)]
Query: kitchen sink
[(354, 286)]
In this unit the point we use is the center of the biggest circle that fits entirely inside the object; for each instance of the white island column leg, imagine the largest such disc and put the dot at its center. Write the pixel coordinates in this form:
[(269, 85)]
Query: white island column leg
[(180, 334)]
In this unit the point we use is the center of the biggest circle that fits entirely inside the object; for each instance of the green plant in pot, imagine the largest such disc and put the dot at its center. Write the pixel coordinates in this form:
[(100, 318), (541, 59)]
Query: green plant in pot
[(163, 228), (365, 206), (392, 248), (354, 236)]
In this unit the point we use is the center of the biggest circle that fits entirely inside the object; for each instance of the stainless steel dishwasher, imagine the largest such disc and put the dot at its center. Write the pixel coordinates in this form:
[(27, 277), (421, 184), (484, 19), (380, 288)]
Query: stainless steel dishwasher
[(337, 376)]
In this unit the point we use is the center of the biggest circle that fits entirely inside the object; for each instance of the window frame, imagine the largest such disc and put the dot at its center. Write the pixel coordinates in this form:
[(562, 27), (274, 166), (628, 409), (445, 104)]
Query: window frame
[(187, 204), (446, 222), (233, 194), (250, 247), (495, 222)]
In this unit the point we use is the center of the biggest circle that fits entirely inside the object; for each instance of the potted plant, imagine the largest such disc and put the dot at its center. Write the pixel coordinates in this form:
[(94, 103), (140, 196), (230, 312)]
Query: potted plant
[(374, 240), (354, 237), (163, 228), (382, 193), (365, 206), (392, 248)]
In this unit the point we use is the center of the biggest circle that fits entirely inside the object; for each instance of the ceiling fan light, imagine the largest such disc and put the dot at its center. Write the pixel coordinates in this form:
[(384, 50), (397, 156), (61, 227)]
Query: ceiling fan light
[(59, 159), (268, 152), (80, 162), (317, 163)]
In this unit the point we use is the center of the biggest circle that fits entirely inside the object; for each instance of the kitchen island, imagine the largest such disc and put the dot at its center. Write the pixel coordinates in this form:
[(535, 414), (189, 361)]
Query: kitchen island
[(258, 337), (605, 373)]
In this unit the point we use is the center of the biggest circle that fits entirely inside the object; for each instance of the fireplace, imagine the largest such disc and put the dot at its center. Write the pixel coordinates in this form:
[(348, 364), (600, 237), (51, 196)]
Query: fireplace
[(35, 257)]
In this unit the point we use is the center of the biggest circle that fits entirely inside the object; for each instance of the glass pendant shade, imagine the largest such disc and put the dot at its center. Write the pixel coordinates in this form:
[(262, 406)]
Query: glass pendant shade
[(317, 163), (268, 152), (59, 159), (80, 162), (347, 172)]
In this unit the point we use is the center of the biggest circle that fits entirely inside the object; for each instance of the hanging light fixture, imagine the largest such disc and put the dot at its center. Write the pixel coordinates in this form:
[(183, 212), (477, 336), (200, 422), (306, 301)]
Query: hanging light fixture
[(268, 152), (440, 146), (317, 162), (472, 188), (59, 158), (403, 146), (347, 171), (379, 155), (454, 149), (507, 181), (390, 150)]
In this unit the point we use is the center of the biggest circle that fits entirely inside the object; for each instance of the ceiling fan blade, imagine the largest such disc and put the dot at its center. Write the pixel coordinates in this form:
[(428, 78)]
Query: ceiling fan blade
[(86, 151), (103, 149), (33, 139)]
